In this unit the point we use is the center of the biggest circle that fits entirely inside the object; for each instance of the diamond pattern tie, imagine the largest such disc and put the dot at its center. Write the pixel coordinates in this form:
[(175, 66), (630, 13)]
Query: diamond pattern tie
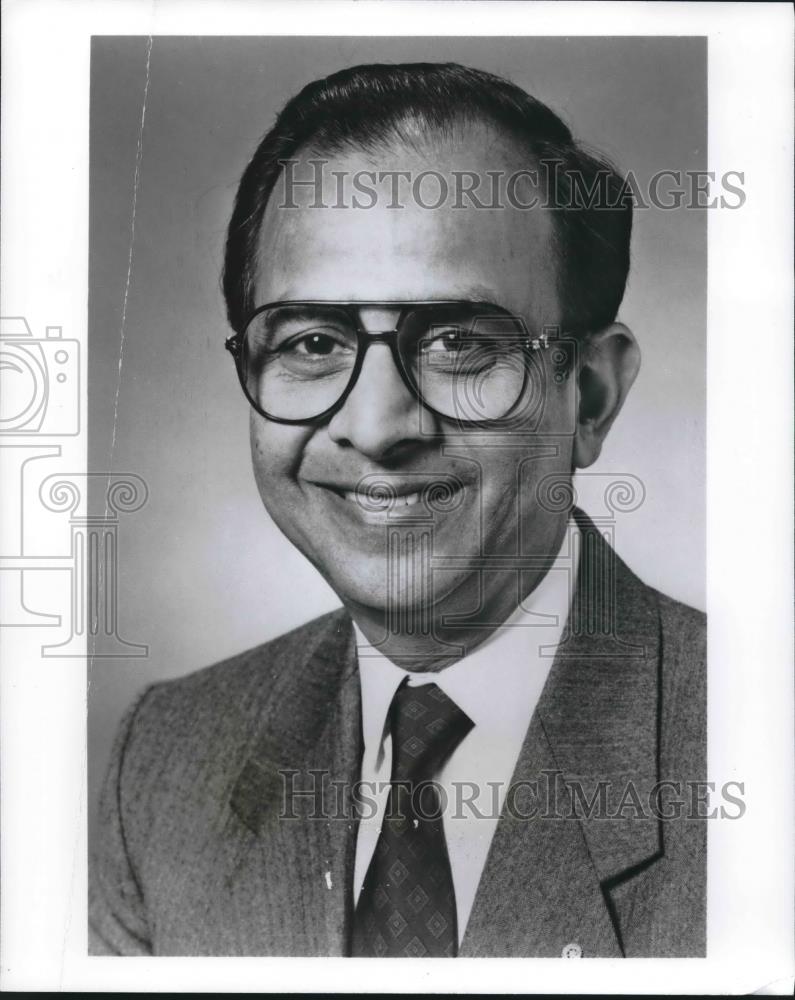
[(407, 904)]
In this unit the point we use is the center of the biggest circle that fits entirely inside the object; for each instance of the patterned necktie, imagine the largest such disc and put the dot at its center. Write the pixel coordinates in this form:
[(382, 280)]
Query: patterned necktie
[(407, 904)]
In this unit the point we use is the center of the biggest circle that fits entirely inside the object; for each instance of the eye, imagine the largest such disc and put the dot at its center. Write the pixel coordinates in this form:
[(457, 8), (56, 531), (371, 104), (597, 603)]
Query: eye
[(315, 344), (311, 353), (450, 340), (320, 344)]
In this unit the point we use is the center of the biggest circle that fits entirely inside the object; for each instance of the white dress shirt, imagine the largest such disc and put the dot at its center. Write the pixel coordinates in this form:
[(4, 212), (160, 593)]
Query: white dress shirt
[(497, 686)]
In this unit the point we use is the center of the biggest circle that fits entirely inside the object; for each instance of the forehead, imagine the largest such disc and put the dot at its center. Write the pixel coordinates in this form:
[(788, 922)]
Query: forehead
[(387, 232)]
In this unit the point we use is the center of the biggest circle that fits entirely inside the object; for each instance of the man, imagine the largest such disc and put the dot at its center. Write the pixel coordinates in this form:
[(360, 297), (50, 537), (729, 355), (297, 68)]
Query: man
[(471, 757)]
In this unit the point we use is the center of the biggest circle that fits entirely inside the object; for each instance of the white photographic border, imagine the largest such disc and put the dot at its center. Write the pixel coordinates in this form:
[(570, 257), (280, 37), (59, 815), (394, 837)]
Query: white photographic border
[(45, 128)]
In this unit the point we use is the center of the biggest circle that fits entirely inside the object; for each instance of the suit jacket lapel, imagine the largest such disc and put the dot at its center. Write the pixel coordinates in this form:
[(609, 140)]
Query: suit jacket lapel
[(299, 871), (601, 705), (595, 733), (539, 891)]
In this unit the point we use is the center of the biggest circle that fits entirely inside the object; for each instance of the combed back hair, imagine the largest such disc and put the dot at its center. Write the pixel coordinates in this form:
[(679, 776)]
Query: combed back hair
[(372, 107)]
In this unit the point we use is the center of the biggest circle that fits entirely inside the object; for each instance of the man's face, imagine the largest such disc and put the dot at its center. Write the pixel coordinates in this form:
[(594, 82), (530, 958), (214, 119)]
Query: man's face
[(307, 474)]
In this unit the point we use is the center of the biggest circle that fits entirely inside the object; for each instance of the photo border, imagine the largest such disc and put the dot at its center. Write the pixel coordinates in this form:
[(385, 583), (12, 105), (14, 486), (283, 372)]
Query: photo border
[(749, 482)]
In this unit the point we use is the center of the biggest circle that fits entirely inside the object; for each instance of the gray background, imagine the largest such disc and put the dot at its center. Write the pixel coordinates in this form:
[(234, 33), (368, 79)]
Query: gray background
[(203, 573)]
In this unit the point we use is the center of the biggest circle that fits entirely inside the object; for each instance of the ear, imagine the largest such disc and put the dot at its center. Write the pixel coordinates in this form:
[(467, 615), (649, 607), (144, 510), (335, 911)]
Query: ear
[(608, 366)]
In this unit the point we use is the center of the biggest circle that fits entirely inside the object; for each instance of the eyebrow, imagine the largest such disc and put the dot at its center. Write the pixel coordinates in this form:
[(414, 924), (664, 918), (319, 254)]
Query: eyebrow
[(480, 293), (303, 308), (298, 313)]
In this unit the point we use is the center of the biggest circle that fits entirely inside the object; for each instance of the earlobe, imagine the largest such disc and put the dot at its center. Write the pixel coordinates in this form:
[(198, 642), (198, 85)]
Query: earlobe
[(609, 364)]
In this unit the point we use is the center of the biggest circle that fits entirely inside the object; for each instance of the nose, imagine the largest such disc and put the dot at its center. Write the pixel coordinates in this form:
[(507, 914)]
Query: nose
[(381, 416)]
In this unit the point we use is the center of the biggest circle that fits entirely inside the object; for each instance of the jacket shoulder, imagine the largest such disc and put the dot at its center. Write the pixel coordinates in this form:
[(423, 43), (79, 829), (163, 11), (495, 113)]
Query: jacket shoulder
[(196, 730), (680, 619), (683, 688), (235, 681), (683, 640)]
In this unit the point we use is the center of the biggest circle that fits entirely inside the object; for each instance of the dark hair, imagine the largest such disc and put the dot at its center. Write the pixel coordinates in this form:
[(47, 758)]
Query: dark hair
[(367, 106)]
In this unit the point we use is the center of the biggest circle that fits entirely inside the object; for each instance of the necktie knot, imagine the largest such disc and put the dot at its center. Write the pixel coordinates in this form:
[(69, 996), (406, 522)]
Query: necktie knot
[(426, 727)]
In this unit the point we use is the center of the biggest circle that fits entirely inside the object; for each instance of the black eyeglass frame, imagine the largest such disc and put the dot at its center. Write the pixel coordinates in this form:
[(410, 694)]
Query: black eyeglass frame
[(234, 344)]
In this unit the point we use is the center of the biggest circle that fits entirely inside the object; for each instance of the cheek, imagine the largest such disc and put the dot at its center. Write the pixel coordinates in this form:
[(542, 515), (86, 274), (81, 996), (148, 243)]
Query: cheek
[(275, 454), (516, 486)]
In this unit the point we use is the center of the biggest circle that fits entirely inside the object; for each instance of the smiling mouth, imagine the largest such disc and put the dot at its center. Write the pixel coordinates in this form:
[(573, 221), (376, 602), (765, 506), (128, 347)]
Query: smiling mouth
[(381, 498)]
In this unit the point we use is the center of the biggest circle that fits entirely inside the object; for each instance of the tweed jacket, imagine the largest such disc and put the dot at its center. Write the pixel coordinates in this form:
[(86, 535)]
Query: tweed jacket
[(202, 853)]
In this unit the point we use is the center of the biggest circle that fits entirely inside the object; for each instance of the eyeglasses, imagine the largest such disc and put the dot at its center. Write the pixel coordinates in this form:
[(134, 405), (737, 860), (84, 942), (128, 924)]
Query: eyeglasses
[(471, 362)]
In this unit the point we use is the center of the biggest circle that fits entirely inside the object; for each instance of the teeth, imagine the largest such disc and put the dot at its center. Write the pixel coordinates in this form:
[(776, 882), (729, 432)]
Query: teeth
[(407, 500)]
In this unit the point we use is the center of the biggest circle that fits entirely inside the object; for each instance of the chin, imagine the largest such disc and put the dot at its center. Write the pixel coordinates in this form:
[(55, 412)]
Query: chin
[(402, 587)]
